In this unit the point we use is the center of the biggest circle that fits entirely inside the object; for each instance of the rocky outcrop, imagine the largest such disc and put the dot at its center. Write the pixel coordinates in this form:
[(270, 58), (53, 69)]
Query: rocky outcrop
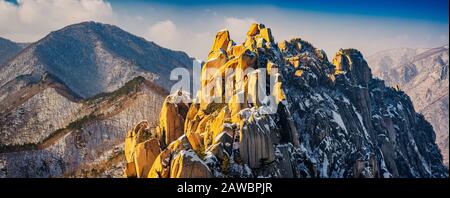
[(147, 153), (186, 164), (321, 119), (139, 152), (173, 113), (423, 75), (91, 145)]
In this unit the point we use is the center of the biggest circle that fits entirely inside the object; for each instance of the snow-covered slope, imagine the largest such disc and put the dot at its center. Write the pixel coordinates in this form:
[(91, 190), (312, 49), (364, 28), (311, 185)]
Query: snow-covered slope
[(423, 75), (91, 58), (67, 100), (56, 137)]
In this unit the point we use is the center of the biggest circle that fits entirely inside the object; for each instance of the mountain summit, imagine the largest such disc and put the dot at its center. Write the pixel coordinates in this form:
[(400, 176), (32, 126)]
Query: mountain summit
[(333, 120), (91, 58)]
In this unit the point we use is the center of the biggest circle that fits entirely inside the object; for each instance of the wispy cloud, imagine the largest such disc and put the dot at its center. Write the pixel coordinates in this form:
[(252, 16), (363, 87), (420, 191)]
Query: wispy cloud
[(29, 20), (238, 27), (192, 29), (163, 31)]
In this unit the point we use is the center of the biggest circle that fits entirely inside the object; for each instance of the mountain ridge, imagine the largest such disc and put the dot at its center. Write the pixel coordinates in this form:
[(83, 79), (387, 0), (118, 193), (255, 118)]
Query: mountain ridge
[(423, 74), (105, 48), (97, 125), (332, 119), (47, 124)]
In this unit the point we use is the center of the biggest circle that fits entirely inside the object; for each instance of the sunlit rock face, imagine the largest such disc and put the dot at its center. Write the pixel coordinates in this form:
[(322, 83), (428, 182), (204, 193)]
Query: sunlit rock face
[(320, 119)]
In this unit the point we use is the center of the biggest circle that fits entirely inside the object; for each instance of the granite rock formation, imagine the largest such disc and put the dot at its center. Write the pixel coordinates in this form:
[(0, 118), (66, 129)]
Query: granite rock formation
[(333, 119)]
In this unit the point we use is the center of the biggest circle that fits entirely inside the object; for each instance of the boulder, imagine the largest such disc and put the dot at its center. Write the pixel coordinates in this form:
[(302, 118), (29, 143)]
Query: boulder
[(221, 42), (260, 43), (299, 73), (130, 143), (218, 151), (131, 140), (238, 50), (283, 45), (254, 30), (215, 60), (182, 143), (186, 164), (250, 43), (230, 46), (217, 124), (191, 116), (294, 61), (284, 164), (247, 60), (320, 53), (130, 170), (172, 117), (195, 139), (161, 165), (266, 34), (146, 153)]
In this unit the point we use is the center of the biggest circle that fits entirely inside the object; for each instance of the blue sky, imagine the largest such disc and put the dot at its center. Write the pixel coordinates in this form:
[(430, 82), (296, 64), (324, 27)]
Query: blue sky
[(190, 26), (432, 10)]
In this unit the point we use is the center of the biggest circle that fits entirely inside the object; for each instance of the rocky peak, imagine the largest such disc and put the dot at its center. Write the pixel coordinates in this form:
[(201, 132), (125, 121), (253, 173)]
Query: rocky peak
[(95, 53), (351, 61), (326, 124)]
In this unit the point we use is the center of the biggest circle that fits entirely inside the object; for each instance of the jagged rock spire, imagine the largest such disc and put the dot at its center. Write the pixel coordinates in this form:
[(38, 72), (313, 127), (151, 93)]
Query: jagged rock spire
[(332, 120)]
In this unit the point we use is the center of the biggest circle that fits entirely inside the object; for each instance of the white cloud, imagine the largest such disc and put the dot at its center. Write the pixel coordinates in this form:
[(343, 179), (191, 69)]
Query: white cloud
[(238, 27), (30, 20), (194, 39), (163, 32), (193, 30)]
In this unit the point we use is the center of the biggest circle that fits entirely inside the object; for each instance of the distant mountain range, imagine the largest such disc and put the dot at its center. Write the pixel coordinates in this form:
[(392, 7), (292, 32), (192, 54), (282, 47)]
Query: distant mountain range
[(423, 74), (91, 58), (67, 100)]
